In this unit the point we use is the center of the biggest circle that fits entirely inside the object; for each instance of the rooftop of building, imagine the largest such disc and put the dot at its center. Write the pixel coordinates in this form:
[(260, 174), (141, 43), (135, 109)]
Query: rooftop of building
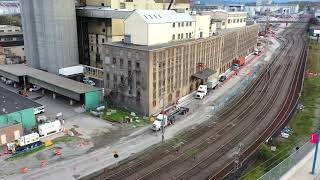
[(163, 16), (59, 81), (2, 126), (169, 44), (11, 102)]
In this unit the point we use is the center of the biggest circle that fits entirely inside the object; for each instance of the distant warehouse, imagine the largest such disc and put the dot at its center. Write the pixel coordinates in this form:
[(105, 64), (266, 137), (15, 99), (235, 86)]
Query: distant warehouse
[(168, 55)]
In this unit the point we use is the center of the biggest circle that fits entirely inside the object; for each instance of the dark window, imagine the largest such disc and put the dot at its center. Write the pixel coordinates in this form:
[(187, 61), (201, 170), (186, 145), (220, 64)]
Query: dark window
[(107, 76), (182, 24), (115, 78), (97, 49), (91, 48), (102, 4), (178, 24), (174, 25), (137, 65), (173, 37), (129, 63), (121, 62), (102, 40), (103, 30), (114, 60)]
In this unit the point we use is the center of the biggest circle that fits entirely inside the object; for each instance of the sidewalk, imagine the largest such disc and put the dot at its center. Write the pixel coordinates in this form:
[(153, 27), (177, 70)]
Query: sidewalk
[(303, 169)]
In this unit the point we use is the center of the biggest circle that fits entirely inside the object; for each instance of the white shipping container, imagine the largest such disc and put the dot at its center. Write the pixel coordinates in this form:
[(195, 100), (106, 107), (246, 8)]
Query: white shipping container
[(28, 139), (49, 128), (73, 70)]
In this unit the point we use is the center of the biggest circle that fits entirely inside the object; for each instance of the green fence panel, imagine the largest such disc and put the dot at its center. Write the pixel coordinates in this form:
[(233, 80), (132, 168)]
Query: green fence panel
[(92, 99), (25, 117)]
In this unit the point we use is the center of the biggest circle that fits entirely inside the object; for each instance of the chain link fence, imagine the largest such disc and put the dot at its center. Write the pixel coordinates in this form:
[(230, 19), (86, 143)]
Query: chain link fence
[(278, 171), (235, 92)]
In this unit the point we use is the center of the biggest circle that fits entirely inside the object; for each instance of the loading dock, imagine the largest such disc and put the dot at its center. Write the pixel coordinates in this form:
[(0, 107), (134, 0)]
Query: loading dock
[(76, 91)]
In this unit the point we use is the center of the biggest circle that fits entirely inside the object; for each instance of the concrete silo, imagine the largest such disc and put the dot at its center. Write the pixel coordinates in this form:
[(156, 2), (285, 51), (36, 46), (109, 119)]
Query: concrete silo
[(50, 34)]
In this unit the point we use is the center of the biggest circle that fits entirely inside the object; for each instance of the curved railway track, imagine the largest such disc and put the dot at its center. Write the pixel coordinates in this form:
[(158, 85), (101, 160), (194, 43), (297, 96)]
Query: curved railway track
[(246, 112)]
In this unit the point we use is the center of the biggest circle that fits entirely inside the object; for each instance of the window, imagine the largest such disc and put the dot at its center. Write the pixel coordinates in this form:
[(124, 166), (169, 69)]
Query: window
[(129, 63), (182, 24), (223, 23), (174, 25), (137, 65), (107, 77), (23, 49), (103, 30), (178, 24), (114, 60), (9, 30), (17, 30), (97, 49), (237, 20), (154, 103), (1, 30), (91, 48), (173, 37), (241, 20), (102, 4), (114, 78), (229, 21), (190, 23), (121, 62), (178, 36), (187, 35), (181, 36), (102, 40)]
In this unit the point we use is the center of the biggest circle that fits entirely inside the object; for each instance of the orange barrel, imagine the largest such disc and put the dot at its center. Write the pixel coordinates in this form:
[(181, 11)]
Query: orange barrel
[(43, 163), (24, 170)]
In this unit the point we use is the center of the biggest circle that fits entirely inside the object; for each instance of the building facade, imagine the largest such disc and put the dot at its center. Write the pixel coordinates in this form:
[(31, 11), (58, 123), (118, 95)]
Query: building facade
[(51, 34), (12, 45), (10, 132), (96, 31), (139, 77)]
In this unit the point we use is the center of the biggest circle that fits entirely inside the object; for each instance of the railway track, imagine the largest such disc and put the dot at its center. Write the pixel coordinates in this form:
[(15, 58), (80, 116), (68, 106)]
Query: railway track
[(248, 110)]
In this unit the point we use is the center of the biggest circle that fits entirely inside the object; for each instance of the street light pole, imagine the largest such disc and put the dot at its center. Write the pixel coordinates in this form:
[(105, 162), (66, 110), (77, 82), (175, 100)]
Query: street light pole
[(162, 122)]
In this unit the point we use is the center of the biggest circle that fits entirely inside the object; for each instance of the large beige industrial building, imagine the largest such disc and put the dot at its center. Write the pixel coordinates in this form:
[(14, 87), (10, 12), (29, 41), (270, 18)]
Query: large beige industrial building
[(138, 75), (96, 31)]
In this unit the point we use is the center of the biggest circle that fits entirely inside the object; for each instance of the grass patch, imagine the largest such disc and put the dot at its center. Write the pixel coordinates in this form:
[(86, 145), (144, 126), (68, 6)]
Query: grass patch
[(303, 123), (115, 114), (23, 155), (314, 56), (64, 139)]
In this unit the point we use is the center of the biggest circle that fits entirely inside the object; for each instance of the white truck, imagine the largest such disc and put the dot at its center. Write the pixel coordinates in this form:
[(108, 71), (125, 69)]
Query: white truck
[(212, 84), (168, 118), (202, 91)]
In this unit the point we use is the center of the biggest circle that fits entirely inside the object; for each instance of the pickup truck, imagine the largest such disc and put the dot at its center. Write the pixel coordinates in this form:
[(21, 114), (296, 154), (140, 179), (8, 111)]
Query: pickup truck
[(164, 119)]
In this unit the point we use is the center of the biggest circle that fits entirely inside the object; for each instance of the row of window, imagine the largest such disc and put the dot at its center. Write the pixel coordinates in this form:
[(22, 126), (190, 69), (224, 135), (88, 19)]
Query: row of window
[(114, 61), (180, 36), (9, 30), (237, 20), (181, 24)]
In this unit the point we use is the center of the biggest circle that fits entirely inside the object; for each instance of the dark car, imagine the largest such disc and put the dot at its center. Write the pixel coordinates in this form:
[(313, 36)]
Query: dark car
[(222, 78)]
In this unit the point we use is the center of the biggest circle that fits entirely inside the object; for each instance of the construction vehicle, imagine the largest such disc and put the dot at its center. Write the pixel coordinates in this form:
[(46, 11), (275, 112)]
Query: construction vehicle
[(240, 61), (24, 143), (167, 118)]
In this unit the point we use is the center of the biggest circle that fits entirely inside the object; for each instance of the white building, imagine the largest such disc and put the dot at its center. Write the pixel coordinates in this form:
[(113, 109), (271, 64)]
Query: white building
[(281, 9), (150, 27), (9, 29)]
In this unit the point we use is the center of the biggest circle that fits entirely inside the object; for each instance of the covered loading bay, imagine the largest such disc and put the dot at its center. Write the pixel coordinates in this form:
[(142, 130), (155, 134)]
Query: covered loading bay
[(76, 91)]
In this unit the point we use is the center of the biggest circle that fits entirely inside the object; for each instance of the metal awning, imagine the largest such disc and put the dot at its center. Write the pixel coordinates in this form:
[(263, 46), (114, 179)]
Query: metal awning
[(204, 74)]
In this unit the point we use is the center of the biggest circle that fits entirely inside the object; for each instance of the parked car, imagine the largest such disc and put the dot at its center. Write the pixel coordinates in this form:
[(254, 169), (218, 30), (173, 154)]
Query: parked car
[(34, 88), (222, 78), (87, 80), (3, 79), (9, 82)]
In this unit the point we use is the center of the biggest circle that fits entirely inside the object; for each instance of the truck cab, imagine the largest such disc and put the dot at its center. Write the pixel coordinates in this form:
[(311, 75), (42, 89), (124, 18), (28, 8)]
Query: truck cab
[(202, 91), (161, 119)]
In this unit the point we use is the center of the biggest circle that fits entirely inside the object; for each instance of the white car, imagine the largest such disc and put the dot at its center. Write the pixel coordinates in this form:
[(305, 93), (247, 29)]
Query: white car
[(8, 82), (35, 88)]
